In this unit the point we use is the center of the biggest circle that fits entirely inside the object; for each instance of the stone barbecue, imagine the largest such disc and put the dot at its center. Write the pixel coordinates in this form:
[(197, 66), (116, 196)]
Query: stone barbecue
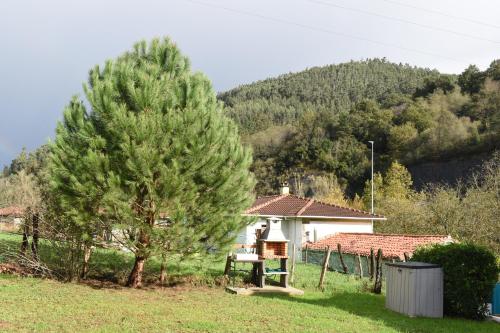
[(272, 244)]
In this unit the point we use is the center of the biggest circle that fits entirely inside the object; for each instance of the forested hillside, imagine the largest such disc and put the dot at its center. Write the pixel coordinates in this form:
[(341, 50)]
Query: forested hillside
[(319, 121), (333, 89)]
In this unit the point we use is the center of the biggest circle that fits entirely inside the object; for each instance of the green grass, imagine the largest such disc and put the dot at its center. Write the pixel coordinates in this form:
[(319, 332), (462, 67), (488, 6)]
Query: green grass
[(31, 304)]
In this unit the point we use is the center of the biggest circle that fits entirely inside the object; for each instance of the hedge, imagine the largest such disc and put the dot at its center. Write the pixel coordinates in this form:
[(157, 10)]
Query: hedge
[(470, 272)]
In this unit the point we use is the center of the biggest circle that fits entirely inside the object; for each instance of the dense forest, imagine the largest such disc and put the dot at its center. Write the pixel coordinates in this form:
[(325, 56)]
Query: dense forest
[(319, 121)]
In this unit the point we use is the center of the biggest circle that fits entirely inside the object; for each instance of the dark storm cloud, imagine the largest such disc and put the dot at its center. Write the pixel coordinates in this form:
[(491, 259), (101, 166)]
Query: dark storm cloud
[(48, 46)]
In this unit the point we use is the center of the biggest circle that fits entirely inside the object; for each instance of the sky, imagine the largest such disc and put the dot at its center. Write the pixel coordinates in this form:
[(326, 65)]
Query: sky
[(47, 47)]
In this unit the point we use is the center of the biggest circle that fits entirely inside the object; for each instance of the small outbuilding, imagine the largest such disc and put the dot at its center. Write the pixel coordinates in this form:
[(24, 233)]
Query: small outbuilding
[(415, 289), (11, 218), (394, 246)]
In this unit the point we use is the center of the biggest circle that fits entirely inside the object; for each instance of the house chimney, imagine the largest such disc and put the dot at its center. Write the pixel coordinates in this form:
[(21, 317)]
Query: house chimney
[(284, 189)]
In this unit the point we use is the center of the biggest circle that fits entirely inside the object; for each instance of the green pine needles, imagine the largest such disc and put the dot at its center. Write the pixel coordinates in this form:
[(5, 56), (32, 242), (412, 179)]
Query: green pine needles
[(154, 161)]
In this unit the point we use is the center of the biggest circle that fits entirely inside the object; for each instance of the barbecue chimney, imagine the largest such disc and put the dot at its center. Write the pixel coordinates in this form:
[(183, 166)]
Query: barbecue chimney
[(273, 231)]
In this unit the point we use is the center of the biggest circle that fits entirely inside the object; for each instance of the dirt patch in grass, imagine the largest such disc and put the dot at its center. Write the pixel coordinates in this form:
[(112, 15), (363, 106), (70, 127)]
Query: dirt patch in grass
[(5, 325), (100, 284), (174, 284), (185, 281)]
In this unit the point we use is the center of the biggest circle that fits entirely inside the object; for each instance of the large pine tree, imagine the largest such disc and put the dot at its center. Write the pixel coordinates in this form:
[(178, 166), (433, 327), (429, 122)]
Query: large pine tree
[(155, 145)]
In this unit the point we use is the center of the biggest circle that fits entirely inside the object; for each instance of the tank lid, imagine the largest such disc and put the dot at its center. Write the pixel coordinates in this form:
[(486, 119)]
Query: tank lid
[(413, 265)]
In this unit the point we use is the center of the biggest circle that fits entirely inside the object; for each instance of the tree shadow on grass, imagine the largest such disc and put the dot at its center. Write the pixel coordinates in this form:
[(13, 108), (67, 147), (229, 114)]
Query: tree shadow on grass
[(110, 265), (109, 268), (114, 266), (373, 307)]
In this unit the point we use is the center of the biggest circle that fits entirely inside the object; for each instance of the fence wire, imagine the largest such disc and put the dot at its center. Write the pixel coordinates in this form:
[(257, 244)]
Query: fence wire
[(316, 257)]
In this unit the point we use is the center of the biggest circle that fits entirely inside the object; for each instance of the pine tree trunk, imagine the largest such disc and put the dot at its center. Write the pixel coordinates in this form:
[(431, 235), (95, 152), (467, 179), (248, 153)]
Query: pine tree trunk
[(227, 269), (73, 263), (135, 277), (87, 252), (36, 233)]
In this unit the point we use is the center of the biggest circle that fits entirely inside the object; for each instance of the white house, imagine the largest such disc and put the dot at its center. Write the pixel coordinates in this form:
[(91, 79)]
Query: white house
[(304, 219)]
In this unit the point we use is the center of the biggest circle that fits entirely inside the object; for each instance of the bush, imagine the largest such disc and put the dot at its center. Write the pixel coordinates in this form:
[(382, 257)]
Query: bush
[(470, 272)]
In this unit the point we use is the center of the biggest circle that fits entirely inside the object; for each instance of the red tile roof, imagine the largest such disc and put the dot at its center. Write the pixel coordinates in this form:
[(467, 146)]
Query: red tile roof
[(11, 211), (292, 205), (392, 245)]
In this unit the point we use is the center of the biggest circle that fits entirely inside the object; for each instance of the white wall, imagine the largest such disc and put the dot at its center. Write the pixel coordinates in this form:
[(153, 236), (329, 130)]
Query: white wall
[(320, 229), (247, 234), (294, 233)]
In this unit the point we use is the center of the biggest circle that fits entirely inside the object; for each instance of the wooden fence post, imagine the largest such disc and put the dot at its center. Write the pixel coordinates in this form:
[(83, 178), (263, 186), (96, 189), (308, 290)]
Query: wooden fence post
[(372, 264), (360, 267), (292, 268), (344, 267), (326, 259), (377, 288), (367, 265), (307, 248)]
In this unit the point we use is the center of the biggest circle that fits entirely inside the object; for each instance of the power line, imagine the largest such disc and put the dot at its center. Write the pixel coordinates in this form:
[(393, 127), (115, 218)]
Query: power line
[(397, 19), (466, 19), (324, 30)]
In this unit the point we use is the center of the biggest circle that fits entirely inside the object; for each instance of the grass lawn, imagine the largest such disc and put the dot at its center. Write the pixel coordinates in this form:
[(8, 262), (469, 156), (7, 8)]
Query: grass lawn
[(31, 304)]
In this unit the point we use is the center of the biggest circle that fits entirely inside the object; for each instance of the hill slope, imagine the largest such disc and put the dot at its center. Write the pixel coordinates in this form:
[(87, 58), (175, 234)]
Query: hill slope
[(319, 121), (334, 88)]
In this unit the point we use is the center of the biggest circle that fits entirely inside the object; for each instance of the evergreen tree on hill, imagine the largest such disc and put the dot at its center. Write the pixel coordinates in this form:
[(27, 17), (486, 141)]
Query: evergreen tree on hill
[(333, 89)]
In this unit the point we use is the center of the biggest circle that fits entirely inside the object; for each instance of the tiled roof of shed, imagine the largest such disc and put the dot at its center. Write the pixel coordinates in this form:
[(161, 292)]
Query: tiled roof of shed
[(392, 245), (292, 205)]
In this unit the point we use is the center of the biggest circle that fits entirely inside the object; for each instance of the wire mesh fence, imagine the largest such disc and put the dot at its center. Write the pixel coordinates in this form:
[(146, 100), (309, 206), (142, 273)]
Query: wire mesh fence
[(334, 264)]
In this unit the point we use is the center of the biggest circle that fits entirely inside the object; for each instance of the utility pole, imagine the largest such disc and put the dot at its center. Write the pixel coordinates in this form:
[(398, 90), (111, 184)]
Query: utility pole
[(371, 142)]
